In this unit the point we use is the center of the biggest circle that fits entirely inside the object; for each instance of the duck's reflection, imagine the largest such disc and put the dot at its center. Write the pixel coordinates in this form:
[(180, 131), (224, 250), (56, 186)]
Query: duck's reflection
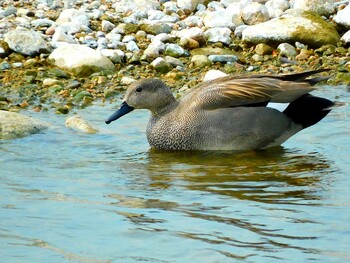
[(276, 185), (274, 176)]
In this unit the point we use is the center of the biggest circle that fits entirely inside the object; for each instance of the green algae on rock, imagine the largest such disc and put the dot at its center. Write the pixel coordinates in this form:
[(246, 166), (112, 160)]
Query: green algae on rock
[(305, 27)]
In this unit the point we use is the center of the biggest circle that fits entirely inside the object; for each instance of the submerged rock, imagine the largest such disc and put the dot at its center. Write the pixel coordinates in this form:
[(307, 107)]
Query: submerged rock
[(305, 27), (79, 124), (14, 125), (80, 60)]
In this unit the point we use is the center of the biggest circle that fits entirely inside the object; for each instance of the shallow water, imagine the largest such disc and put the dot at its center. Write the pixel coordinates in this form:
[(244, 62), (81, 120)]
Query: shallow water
[(72, 197)]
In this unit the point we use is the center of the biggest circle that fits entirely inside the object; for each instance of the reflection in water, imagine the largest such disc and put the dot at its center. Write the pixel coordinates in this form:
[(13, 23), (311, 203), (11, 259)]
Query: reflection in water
[(280, 180), (264, 176)]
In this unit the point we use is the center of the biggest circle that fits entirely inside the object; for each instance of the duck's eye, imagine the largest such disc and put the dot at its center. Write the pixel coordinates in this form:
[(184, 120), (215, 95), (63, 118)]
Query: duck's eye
[(139, 89)]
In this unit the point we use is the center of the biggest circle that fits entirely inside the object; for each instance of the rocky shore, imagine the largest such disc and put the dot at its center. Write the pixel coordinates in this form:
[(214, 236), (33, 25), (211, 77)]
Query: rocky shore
[(64, 54)]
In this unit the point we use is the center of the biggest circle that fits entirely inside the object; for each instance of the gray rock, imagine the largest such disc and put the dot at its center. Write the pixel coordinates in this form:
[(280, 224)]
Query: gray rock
[(175, 62), (26, 42), (343, 17), (14, 125), (287, 50), (39, 23), (174, 50), (80, 60), (255, 13), (11, 10), (193, 32), (322, 7), (4, 66), (306, 28), (223, 58), (220, 34)]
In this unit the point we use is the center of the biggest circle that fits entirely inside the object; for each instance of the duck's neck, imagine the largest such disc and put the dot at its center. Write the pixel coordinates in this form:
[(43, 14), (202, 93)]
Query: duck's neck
[(167, 106)]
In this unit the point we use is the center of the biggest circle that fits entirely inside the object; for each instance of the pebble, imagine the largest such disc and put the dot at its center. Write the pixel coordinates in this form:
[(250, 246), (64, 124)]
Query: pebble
[(223, 58), (219, 34), (200, 61), (255, 13), (161, 65), (287, 50)]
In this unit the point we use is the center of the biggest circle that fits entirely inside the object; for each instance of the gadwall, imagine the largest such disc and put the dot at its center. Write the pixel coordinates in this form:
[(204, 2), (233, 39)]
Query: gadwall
[(227, 113)]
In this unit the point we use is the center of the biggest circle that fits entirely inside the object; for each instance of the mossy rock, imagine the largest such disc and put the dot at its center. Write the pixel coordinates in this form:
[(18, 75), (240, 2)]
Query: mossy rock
[(300, 26)]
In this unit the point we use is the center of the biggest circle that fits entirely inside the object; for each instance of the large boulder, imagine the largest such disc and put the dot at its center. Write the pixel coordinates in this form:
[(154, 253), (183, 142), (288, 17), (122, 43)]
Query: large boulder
[(14, 125), (305, 27), (80, 60), (26, 42)]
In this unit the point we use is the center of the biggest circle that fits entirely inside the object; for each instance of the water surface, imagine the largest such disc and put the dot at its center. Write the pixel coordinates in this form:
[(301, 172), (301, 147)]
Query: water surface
[(71, 197)]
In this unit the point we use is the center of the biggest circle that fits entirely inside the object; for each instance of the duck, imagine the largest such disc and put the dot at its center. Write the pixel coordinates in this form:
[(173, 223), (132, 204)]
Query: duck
[(231, 113)]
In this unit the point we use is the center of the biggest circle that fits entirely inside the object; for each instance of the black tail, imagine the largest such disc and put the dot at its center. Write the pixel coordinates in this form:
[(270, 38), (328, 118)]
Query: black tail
[(308, 110)]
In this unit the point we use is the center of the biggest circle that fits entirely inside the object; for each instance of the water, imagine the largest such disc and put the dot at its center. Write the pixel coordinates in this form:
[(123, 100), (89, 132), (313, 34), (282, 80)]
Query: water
[(71, 197)]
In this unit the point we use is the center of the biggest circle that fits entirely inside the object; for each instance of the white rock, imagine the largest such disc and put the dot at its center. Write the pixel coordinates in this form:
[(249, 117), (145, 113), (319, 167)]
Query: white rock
[(189, 4), (14, 125), (49, 82), (79, 124), (346, 37), (215, 6), (61, 36), (73, 16), (107, 26), (322, 7), (255, 13), (239, 30), (343, 17), (124, 6), (220, 18), (127, 81), (154, 49), (213, 74), (226, 3), (155, 14), (236, 10), (276, 7), (115, 55), (80, 60), (287, 50), (193, 32), (220, 34), (132, 46)]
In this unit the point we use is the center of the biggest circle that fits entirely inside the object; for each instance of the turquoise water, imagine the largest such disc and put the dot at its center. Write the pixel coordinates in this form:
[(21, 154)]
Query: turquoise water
[(71, 197)]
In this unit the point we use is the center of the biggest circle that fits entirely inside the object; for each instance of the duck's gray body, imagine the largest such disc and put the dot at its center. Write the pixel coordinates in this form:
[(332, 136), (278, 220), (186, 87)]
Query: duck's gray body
[(228, 113)]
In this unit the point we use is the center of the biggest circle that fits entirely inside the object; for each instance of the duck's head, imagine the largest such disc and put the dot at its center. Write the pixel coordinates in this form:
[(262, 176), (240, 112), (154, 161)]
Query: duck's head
[(150, 94)]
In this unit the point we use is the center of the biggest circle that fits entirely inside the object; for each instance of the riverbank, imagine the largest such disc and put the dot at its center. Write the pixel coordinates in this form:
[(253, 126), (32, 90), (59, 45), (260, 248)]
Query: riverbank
[(163, 39)]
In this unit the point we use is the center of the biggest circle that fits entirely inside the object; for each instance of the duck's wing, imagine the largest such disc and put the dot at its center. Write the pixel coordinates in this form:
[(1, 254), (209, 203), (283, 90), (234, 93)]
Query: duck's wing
[(232, 91)]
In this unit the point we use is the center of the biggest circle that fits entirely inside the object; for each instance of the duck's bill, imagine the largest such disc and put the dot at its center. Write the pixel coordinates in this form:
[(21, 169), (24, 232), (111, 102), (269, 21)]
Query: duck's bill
[(123, 109)]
